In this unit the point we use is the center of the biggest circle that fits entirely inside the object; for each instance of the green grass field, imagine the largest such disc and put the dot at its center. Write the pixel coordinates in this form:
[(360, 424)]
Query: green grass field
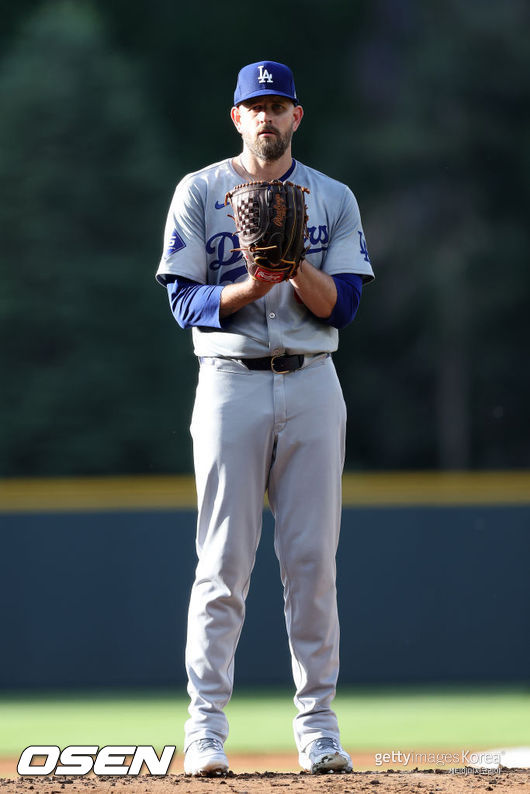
[(370, 719)]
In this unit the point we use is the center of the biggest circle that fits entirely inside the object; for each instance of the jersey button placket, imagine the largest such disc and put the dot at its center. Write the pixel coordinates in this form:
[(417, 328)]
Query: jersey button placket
[(276, 346), (274, 325)]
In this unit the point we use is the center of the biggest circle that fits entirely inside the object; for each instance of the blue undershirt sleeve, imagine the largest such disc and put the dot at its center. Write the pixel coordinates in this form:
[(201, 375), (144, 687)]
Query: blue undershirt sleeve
[(349, 289), (193, 303)]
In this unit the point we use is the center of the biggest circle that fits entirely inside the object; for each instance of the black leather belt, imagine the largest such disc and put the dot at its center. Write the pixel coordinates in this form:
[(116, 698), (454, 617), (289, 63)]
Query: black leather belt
[(281, 365)]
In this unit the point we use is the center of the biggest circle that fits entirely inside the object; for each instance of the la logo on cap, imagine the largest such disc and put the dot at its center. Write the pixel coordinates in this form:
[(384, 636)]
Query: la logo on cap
[(264, 75)]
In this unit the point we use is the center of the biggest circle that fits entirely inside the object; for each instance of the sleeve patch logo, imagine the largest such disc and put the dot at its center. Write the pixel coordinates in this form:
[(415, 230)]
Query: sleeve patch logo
[(363, 248), (176, 243)]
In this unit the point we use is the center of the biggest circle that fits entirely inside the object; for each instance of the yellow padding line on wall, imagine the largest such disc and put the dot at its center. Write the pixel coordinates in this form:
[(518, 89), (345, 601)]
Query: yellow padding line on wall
[(97, 493), (390, 489)]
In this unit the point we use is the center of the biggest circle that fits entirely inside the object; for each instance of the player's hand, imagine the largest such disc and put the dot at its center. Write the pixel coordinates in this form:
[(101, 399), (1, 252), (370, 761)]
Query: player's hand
[(258, 288), (235, 296)]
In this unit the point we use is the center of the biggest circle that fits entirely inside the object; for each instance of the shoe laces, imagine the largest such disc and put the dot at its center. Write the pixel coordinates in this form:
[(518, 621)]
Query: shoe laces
[(209, 744), (324, 744)]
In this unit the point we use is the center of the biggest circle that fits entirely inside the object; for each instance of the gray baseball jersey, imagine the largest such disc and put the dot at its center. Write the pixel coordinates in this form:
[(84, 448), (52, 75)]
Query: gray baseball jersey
[(198, 244)]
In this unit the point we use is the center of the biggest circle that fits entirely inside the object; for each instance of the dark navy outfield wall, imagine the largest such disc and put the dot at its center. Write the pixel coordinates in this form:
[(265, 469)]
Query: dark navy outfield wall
[(426, 595)]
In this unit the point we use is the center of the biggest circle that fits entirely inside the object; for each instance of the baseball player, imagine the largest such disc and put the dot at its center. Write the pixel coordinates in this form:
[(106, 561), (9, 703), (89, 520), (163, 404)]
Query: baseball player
[(269, 415)]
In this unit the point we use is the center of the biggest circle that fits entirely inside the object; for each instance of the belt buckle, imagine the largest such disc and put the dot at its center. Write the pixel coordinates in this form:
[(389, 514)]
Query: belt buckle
[(278, 371)]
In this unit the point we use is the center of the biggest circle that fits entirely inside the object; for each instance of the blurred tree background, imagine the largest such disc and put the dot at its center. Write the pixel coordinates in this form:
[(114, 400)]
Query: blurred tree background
[(421, 108)]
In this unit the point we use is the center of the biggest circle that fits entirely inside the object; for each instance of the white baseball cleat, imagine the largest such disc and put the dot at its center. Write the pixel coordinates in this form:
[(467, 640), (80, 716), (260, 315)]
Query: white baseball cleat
[(205, 758), (325, 755)]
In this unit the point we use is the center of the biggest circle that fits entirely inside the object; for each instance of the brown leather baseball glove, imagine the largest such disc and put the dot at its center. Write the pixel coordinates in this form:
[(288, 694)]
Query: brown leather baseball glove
[(271, 223)]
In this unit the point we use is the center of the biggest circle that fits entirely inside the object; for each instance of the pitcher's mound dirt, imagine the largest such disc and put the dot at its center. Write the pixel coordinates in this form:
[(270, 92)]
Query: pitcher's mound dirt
[(442, 782), (272, 774)]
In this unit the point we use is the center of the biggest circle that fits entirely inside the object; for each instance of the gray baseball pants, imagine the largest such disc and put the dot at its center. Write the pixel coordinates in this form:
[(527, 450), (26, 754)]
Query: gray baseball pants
[(254, 431)]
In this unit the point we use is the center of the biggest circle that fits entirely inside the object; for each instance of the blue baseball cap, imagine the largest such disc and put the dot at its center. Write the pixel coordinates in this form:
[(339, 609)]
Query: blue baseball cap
[(262, 78)]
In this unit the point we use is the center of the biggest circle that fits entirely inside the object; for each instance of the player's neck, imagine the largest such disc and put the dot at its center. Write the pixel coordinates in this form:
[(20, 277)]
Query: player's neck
[(253, 169)]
